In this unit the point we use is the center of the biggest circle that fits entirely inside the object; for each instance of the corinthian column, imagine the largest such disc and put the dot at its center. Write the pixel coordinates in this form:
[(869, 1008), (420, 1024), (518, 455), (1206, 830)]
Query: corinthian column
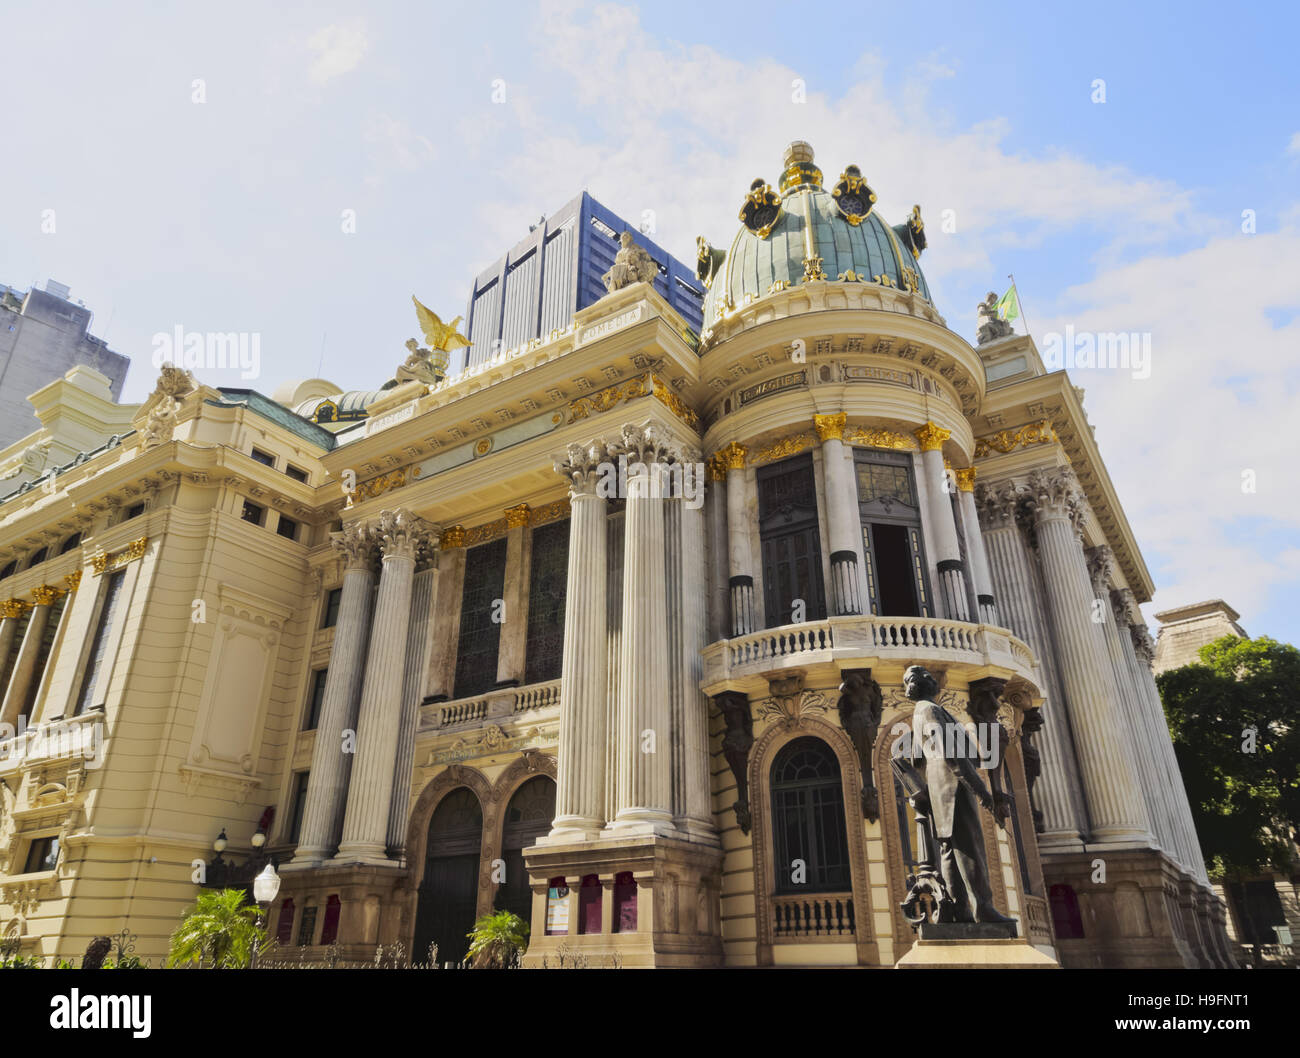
[(365, 824), (20, 683), (1106, 764), (1058, 794), (942, 528), (741, 562), (844, 526), (715, 509), (975, 551), (327, 784), (644, 738), (584, 725)]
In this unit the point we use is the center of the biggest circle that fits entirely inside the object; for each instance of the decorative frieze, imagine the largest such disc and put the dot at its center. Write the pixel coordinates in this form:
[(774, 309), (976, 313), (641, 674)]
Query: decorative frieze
[(106, 563), (1037, 433), (874, 437)]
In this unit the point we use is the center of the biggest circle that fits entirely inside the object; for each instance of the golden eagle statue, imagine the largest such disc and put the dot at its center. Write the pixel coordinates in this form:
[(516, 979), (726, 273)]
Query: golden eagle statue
[(440, 336)]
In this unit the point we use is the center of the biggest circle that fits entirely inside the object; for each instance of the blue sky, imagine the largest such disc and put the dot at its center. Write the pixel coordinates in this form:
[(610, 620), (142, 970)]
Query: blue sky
[(1122, 215)]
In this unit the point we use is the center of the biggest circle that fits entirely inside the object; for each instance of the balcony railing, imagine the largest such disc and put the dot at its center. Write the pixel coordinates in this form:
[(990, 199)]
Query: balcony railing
[(820, 916), (896, 638), (494, 705)]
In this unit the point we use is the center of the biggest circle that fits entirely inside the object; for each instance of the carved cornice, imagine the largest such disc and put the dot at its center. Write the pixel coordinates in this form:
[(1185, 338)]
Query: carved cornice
[(932, 437), (830, 427), (1004, 441)]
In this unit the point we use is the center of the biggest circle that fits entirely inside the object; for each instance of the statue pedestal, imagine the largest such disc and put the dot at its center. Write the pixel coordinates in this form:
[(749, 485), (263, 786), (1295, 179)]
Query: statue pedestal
[(974, 946)]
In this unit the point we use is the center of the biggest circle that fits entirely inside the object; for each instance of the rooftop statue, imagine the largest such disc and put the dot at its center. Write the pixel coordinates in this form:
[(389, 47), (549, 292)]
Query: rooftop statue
[(631, 265), (429, 365), (991, 326), (442, 337)]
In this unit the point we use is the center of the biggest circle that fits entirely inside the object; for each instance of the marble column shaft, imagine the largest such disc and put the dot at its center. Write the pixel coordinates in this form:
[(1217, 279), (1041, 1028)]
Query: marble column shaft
[(976, 552), (844, 522), (740, 558), (942, 527), (1107, 768), (424, 591), (644, 781), (584, 727), (696, 814), (715, 510), (370, 789), (327, 785), (1058, 794)]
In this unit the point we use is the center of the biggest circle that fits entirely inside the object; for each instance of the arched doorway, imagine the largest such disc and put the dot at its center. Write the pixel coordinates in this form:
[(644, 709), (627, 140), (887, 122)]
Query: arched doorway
[(528, 817), (449, 888)]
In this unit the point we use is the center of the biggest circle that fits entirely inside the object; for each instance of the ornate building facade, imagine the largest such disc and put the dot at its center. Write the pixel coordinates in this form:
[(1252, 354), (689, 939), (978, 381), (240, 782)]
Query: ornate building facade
[(609, 630)]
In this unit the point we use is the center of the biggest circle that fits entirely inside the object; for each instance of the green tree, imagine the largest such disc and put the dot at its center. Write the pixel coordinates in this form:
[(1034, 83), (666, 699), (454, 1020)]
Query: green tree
[(220, 932), (1233, 717), (498, 940)]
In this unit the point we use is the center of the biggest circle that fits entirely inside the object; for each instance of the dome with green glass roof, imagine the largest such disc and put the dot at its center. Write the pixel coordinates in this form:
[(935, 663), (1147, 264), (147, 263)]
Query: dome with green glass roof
[(802, 232)]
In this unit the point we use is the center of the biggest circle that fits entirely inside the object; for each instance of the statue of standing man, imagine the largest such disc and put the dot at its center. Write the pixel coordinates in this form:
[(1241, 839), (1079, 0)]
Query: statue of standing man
[(944, 751)]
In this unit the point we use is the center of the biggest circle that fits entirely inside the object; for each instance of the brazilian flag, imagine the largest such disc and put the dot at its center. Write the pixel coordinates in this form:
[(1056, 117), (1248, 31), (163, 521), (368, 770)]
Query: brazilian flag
[(1009, 305)]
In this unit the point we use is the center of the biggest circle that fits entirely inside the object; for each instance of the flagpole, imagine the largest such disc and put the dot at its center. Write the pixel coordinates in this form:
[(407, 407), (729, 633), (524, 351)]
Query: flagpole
[(1019, 303)]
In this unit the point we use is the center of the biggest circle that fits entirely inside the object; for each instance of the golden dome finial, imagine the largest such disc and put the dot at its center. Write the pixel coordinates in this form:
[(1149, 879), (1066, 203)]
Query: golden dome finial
[(799, 169)]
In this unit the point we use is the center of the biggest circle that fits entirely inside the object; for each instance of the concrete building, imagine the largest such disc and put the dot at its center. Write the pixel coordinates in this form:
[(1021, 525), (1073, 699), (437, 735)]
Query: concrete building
[(574, 632), (43, 335), (1185, 629)]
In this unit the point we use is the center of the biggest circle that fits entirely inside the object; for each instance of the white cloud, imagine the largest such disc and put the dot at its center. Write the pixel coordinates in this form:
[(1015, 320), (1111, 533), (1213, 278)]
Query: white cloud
[(1294, 146), (339, 49)]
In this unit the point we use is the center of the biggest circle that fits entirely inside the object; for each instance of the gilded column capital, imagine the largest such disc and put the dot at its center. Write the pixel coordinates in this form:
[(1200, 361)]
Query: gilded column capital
[(14, 607), (830, 427), (733, 455), (401, 533), (73, 580), (717, 467), (453, 536), (1101, 568), (581, 465), (965, 478), (46, 594), (357, 544), (517, 517), (932, 437)]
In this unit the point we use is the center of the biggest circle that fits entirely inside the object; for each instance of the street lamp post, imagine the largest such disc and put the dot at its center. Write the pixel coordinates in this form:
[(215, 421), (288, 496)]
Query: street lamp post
[(265, 887)]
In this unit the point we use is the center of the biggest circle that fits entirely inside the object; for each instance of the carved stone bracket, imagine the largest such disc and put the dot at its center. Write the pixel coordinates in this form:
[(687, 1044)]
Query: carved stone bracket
[(860, 708), (736, 744)]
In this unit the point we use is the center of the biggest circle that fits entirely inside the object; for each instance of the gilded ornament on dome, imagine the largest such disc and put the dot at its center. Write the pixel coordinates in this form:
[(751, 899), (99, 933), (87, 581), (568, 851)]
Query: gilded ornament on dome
[(761, 208), (850, 276), (707, 261), (812, 269), (853, 198), (885, 280), (910, 279)]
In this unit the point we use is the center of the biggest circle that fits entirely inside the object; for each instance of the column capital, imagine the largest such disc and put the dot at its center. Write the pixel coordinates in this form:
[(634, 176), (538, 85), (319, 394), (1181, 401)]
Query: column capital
[(932, 437), (732, 455), (356, 543), (14, 607), (1055, 492), (717, 467), (996, 503), (73, 580), (830, 427), (1101, 568), (452, 536), (1143, 645), (1124, 603), (581, 465), (965, 478), (646, 444), (401, 533), (46, 594), (517, 517)]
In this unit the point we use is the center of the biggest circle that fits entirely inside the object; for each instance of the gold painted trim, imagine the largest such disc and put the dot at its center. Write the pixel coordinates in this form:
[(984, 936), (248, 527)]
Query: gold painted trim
[(1040, 432), (965, 478), (785, 446), (106, 563), (517, 517), (46, 594), (874, 437), (14, 608), (932, 437), (452, 536), (830, 427)]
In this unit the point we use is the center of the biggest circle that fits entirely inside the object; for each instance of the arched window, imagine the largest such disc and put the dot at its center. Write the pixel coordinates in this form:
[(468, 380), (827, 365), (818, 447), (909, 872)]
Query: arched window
[(449, 889), (528, 817), (810, 838)]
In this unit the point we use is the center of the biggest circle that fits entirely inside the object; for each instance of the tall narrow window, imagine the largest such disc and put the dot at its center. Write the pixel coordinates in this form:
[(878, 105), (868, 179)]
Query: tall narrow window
[(624, 903), (297, 801), (330, 614), (808, 825), (99, 643), (891, 535), (544, 651), (480, 619), (793, 590), (43, 656), (315, 699), (284, 924), (329, 930)]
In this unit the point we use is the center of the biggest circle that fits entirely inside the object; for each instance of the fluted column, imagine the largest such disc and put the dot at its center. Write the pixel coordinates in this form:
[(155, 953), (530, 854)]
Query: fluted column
[(741, 561), (697, 809), (24, 673), (365, 824), (976, 553), (844, 523), (584, 727), (1106, 765), (644, 779), (514, 631), (715, 512), (13, 611), (1058, 794), (327, 784), (942, 527), (1101, 564), (423, 592)]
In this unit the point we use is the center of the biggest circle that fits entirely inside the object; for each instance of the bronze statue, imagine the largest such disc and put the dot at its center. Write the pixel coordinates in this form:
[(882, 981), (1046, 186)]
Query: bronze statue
[(860, 707), (950, 800)]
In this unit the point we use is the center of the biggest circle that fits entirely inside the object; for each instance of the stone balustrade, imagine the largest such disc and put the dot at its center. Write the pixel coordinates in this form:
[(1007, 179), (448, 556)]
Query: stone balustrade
[(494, 705)]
